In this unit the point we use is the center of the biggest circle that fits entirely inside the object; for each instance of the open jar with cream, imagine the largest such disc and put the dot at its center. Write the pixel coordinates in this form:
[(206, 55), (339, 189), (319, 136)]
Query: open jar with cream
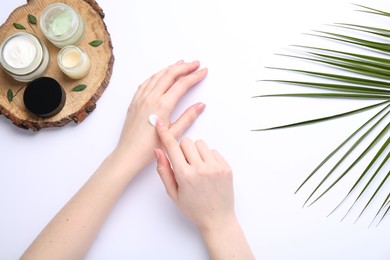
[(74, 62), (62, 25), (24, 56)]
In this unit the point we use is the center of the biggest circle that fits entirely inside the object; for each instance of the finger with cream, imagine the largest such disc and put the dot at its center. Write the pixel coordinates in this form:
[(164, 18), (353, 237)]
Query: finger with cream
[(74, 62)]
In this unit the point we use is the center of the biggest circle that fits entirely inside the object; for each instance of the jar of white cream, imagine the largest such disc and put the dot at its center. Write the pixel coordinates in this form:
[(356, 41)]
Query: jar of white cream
[(62, 25), (24, 56), (74, 62)]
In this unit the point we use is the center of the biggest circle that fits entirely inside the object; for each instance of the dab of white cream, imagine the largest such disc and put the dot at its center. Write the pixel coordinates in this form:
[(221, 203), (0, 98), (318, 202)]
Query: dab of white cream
[(153, 119)]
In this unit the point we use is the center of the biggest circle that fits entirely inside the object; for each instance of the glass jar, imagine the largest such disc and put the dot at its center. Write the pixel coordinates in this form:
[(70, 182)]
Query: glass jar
[(74, 62), (62, 25), (24, 56)]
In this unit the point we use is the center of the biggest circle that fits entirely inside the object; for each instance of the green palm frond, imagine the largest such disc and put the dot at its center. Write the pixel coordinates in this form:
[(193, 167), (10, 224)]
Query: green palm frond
[(359, 77)]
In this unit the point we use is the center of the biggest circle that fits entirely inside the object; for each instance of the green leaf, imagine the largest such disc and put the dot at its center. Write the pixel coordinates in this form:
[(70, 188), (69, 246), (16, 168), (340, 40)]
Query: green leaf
[(373, 11), (32, 19), (330, 95), (322, 119), (366, 29), (96, 43), (365, 152), (384, 161), (19, 26), (356, 41), (385, 203), (338, 87), (346, 141), (79, 88), (10, 95), (354, 76)]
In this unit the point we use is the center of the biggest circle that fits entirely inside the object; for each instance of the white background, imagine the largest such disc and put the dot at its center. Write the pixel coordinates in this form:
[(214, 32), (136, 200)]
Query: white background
[(40, 171)]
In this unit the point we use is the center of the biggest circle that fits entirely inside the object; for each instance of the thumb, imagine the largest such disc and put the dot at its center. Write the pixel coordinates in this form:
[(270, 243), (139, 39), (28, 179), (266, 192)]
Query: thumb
[(166, 173)]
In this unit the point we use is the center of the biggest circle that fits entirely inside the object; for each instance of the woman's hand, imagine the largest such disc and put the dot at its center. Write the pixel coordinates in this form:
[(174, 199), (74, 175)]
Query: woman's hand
[(158, 95), (199, 181)]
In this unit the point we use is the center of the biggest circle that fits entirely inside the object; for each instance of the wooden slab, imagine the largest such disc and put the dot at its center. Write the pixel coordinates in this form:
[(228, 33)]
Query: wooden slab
[(78, 104)]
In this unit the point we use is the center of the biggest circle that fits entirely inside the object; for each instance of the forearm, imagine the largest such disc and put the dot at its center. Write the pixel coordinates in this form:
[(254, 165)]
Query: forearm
[(227, 241), (72, 231)]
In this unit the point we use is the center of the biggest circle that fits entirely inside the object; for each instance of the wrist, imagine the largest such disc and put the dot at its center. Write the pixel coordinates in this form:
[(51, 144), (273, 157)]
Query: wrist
[(125, 163), (219, 227), (226, 240)]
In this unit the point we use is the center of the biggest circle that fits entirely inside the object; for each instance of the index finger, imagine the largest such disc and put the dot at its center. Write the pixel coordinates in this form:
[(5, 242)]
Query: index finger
[(170, 145), (170, 75)]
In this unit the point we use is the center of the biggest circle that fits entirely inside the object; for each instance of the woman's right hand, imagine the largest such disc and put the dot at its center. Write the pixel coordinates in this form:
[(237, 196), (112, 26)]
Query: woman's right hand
[(199, 182)]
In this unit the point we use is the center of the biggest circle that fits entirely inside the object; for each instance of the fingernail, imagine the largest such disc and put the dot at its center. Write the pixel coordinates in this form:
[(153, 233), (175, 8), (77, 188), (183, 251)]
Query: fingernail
[(159, 122), (195, 63), (180, 62), (200, 107)]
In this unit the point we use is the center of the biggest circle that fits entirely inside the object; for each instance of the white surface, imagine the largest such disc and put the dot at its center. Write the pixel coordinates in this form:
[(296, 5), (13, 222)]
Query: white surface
[(235, 40)]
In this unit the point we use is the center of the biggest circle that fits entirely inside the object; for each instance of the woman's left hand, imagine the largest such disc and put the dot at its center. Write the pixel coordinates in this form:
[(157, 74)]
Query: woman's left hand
[(158, 95)]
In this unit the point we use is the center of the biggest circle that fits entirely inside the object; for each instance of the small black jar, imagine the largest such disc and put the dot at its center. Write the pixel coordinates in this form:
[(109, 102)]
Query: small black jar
[(44, 97)]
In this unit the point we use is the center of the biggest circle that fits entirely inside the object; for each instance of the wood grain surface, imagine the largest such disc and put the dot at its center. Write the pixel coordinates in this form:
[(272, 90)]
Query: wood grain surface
[(78, 104)]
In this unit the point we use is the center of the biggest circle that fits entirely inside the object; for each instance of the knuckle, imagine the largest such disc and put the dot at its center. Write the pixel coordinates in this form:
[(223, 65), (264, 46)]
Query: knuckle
[(199, 142), (154, 77), (205, 170), (169, 72), (147, 102)]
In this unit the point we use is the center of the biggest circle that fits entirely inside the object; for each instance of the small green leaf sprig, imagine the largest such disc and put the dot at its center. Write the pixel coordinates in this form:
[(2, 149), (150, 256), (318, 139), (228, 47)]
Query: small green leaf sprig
[(31, 20), (79, 88), (10, 95), (19, 26), (96, 43)]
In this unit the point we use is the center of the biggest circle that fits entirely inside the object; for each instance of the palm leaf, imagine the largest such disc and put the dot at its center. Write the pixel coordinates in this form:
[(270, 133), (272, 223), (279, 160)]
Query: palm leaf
[(359, 77)]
